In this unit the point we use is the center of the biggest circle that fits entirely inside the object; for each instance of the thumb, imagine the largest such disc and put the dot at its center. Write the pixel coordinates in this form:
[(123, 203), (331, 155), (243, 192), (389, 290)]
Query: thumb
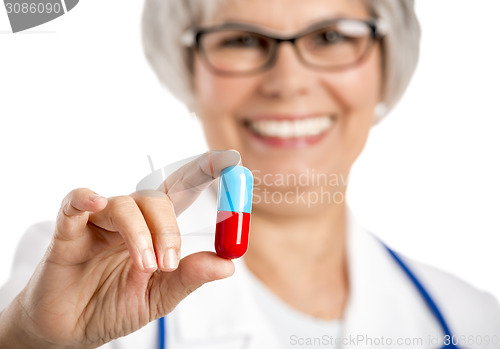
[(194, 271)]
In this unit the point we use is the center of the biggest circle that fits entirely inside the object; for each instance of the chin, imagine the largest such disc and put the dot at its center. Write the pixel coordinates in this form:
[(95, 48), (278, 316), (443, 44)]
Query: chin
[(293, 165), (296, 186), (297, 201)]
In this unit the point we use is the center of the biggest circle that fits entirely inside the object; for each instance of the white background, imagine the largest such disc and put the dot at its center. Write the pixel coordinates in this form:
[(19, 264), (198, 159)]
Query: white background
[(80, 107)]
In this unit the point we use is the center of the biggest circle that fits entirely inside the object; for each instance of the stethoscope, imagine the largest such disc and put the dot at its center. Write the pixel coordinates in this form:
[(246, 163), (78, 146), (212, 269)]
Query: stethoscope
[(427, 298), (162, 328)]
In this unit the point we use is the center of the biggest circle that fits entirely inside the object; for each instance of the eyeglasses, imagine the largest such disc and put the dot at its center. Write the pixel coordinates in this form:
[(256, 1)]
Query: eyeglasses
[(241, 49)]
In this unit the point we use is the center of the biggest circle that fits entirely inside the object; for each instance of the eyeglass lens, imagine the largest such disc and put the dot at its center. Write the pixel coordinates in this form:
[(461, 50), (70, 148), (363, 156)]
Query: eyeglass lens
[(338, 44)]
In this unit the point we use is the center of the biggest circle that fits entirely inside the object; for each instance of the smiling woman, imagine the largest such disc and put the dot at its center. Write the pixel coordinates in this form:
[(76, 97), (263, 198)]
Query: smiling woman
[(174, 65), (293, 87)]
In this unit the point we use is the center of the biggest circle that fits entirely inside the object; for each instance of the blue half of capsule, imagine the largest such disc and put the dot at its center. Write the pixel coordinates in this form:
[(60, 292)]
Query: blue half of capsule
[(235, 190)]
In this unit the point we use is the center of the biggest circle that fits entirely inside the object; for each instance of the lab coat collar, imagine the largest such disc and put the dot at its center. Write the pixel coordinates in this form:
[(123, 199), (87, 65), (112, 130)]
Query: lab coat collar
[(382, 302)]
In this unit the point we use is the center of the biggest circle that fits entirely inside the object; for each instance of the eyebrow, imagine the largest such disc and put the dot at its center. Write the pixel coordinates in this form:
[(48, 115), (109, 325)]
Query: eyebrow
[(251, 26)]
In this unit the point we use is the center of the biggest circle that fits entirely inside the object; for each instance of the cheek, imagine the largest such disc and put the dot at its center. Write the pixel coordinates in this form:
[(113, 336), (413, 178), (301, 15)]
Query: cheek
[(357, 92), (219, 95), (218, 100)]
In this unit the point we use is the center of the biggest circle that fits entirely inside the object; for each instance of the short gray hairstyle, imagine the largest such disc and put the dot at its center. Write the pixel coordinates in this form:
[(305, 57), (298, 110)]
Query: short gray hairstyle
[(164, 21)]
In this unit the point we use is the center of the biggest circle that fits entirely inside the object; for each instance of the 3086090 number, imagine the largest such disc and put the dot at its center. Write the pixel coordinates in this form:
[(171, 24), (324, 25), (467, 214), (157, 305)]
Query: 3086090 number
[(33, 7)]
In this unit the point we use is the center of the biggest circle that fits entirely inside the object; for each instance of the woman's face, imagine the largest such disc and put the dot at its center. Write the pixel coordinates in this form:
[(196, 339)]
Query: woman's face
[(290, 91)]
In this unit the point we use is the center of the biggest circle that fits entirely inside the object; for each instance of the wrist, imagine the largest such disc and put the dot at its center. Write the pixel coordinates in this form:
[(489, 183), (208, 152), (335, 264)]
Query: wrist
[(14, 330)]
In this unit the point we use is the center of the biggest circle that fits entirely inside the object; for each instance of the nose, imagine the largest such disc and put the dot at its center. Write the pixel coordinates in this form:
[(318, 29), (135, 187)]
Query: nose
[(288, 77)]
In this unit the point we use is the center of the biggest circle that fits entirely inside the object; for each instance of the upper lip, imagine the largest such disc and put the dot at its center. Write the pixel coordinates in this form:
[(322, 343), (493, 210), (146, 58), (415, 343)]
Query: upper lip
[(283, 116)]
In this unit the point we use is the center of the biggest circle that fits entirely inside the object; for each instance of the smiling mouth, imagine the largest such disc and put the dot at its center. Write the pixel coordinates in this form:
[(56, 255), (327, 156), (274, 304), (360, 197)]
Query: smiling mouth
[(290, 129)]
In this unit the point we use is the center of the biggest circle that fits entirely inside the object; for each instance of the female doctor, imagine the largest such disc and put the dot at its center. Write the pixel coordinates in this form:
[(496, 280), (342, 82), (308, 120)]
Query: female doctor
[(293, 87)]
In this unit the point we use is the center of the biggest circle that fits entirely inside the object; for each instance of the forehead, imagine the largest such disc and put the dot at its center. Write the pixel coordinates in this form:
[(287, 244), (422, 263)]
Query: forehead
[(286, 15)]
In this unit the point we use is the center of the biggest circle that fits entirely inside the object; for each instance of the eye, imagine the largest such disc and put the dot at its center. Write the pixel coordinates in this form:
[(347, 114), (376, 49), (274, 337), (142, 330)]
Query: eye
[(328, 37), (243, 40)]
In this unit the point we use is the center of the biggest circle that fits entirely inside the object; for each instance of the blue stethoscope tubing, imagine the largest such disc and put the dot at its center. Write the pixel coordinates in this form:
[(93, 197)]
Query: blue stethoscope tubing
[(427, 298), (162, 333), (162, 326)]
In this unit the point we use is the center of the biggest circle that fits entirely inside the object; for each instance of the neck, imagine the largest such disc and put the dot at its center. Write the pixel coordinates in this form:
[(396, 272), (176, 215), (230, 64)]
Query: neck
[(302, 258)]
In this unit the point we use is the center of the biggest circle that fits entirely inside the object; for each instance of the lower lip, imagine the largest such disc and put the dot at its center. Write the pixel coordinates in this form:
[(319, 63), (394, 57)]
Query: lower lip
[(297, 142)]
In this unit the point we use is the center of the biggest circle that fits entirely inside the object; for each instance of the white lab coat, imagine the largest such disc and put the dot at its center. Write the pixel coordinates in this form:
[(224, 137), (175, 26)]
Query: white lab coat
[(224, 314)]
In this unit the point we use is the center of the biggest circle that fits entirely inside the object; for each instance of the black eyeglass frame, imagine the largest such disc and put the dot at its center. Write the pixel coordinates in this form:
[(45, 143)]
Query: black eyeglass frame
[(192, 37)]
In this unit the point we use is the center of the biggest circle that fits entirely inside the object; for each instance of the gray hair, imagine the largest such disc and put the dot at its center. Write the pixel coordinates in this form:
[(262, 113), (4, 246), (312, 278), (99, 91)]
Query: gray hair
[(164, 21)]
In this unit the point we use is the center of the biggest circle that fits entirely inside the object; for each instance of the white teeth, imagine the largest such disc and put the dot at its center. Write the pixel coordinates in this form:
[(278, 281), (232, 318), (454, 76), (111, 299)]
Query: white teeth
[(291, 129)]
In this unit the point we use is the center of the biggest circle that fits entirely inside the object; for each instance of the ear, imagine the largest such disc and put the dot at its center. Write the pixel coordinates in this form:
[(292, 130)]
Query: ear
[(379, 112)]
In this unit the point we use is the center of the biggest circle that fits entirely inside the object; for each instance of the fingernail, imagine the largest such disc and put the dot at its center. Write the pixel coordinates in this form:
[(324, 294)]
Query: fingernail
[(149, 260), (94, 197), (171, 259)]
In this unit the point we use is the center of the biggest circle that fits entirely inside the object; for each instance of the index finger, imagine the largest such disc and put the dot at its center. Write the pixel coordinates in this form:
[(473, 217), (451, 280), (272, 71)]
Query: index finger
[(185, 184)]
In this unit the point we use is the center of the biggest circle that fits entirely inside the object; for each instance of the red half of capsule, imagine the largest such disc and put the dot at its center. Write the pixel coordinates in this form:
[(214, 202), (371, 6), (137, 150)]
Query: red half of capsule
[(231, 234)]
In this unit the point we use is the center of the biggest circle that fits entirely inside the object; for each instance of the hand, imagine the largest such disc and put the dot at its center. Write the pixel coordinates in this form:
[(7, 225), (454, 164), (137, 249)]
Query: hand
[(98, 280)]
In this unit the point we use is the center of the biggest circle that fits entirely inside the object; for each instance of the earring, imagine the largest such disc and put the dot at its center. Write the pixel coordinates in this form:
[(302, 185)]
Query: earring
[(379, 112)]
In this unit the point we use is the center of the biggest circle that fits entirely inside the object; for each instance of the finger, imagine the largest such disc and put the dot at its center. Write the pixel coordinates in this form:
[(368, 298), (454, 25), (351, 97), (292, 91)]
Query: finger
[(193, 271), (122, 215), (74, 212), (158, 211), (186, 184)]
